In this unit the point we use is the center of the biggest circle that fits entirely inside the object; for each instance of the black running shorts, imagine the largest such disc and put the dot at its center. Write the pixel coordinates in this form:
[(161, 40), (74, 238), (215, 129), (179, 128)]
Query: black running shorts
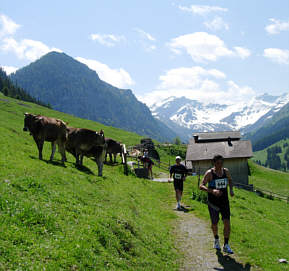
[(179, 185), (215, 212)]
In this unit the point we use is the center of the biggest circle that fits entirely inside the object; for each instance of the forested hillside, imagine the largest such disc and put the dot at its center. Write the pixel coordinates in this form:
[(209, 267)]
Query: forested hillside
[(10, 90), (275, 156), (71, 87), (273, 130)]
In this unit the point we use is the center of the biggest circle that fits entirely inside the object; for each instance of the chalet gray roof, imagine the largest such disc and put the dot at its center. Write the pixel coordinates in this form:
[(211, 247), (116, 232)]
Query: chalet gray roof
[(207, 150), (216, 136)]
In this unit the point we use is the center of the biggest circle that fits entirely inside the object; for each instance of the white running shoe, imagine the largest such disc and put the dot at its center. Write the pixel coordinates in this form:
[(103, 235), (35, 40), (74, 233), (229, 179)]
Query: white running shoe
[(227, 249), (217, 244)]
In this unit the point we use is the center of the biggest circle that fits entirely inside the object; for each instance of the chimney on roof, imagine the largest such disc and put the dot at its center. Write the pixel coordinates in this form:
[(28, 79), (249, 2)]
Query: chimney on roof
[(196, 138), (230, 141)]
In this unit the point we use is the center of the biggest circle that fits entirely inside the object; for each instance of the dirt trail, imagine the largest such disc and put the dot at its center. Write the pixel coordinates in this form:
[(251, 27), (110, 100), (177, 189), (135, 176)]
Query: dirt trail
[(194, 239)]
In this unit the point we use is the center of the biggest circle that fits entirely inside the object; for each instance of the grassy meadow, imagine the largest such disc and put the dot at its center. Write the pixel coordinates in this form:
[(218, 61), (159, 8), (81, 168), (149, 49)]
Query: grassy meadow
[(62, 218), (269, 179)]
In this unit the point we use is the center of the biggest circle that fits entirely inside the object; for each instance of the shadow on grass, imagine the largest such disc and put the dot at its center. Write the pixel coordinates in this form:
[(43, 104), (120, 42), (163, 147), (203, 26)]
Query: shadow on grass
[(54, 162), (84, 169), (230, 264), (185, 209)]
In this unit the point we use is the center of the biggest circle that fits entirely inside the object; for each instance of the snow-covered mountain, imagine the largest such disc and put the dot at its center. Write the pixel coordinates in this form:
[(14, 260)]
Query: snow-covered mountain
[(186, 116)]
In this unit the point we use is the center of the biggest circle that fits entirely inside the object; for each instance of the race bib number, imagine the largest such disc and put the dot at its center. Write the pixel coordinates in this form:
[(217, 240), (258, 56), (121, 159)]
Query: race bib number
[(221, 183), (178, 176)]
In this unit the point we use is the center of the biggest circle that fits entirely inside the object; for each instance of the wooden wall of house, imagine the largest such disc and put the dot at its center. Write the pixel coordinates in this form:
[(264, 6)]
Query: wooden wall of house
[(238, 167)]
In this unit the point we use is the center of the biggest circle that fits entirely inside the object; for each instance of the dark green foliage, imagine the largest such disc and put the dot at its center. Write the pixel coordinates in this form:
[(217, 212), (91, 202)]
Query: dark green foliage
[(174, 150), (273, 159), (70, 86), (177, 141), (9, 89), (200, 196)]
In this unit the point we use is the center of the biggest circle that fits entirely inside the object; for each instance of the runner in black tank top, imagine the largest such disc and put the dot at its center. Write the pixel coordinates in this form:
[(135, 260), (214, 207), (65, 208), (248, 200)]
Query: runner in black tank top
[(179, 172), (222, 183), (218, 179)]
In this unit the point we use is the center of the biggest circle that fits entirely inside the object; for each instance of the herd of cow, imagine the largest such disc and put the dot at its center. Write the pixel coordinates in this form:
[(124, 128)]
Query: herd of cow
[(79, 142)]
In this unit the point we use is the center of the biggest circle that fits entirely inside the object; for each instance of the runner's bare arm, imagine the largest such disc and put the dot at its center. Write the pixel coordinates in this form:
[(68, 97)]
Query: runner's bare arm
[(206, 179), (171, 173), (230, 181)]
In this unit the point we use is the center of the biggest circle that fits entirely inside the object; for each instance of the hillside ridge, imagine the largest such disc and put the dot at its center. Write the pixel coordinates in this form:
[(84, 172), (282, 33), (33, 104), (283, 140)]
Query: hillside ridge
[(70, 86)]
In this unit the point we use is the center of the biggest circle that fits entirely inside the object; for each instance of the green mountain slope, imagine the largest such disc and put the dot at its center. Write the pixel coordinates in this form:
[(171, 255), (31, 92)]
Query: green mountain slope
[(269, 179), (272, 130), (279, 160), (60, 218), (70, 86)]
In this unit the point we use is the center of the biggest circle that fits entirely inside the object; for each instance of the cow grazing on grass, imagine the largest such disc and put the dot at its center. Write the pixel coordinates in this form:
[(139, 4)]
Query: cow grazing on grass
[(84, 142), (47, 129), (113, 148)]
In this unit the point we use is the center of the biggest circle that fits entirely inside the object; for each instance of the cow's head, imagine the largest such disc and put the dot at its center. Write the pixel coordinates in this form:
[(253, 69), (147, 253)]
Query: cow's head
[(100, 140), (27, 121)]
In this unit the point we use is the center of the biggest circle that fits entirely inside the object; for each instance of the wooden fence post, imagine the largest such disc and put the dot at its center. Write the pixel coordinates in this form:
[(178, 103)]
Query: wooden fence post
[(199, 176), (124, 160)]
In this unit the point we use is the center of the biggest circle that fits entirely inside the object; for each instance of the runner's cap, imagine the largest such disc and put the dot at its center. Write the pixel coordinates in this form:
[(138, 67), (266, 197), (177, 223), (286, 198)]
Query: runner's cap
[(178, 157)]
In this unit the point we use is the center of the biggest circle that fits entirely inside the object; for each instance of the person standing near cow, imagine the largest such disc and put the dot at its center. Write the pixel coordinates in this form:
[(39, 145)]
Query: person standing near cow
[(218, 178), (179, 173), (147, 163)]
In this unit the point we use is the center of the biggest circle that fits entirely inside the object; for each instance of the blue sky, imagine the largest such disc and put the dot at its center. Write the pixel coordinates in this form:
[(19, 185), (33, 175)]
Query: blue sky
[(213, 51)]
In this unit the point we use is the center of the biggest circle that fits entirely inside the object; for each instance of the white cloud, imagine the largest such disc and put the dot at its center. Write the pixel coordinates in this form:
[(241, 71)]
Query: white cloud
[(203, 47), (109, 40), (277, 26), (116, 77), (242, 52), (277, 55), (9, 69), (26, 48), (217, 24), (144, 34), (202, 9), (199, 84), (7, 26), (147, 41)]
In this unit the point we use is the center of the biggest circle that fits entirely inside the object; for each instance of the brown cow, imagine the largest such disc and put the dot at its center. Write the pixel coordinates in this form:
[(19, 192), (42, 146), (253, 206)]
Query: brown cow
[(113, 148), (84, 142), (47, 129)]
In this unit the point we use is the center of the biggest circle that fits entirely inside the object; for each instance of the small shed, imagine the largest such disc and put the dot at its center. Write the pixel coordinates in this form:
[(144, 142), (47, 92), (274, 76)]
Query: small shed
[(236, 152)]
